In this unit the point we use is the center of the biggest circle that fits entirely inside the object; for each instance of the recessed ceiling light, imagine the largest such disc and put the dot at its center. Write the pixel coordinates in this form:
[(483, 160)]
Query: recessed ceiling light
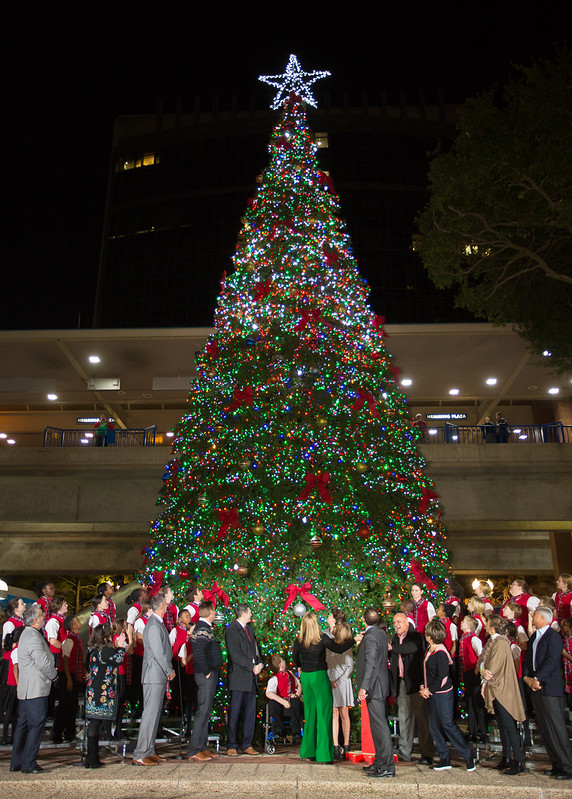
[(52, 397), (170, 434), (547, 353), (406, 381), (453, 392), (10, 441), (94, 359), (491, 381), (432, 431), (3, 435), (553, 390)]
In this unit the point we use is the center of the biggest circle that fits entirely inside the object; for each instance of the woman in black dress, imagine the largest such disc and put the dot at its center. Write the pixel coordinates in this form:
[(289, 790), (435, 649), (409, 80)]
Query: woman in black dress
[(101, 690)]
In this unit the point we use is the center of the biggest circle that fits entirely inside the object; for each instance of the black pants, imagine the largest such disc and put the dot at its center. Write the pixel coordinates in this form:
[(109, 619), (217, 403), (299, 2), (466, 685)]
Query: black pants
[(28, 734), (508, 732), (66, 711), (549, 712), (206, 690), (277, 711), (241, 702), (475, 703)]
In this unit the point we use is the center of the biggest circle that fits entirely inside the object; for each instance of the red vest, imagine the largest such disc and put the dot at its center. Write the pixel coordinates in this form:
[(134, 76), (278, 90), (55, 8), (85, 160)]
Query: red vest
[(481, 634), (286, 684), (17, 622), (562, 600), (170, 617), (11, 679), (521, 600), (111, 611), (75, 658), (421, 615), (182, 637), (448, 640), (44, 603), (139, 650), (62, 634), (102, 618), (467, 654)]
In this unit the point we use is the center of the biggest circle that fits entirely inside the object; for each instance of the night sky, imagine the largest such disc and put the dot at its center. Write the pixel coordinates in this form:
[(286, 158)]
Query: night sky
[(71, 72)]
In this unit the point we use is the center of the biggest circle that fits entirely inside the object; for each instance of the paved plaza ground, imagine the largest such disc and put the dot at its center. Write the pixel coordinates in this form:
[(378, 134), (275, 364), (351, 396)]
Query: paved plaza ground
[(279, 776)]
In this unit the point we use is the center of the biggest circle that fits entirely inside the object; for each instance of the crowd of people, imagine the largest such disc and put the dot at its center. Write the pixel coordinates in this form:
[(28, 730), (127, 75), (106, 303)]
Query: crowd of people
[(508, 665)]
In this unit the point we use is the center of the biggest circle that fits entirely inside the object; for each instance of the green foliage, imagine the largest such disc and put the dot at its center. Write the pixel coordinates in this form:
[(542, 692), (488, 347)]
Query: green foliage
[(498, 225)]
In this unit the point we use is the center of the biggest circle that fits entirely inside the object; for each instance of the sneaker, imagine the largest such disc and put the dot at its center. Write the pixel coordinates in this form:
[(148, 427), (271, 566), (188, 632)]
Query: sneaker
[(442, 765), (470, 764)]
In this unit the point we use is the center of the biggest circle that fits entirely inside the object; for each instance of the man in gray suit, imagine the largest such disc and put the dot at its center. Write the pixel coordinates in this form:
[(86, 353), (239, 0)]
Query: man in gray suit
[(373, 686), (157, 670), (36, 675)]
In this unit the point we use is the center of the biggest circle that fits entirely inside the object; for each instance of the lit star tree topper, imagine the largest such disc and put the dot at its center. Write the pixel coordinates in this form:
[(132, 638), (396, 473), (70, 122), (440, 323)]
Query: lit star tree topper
[(294, 80)]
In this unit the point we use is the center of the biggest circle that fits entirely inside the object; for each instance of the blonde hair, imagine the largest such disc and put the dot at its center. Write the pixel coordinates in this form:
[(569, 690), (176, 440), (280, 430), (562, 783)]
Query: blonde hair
[(342, 632), (476, 605), (566, 578), (309, 630), (485, 588)]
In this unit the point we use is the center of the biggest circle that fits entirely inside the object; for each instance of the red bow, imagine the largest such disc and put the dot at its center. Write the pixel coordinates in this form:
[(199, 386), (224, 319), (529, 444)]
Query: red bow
[(155, 583), (420, 576), (395, 370), (378, 323), (262, 290), (292, 592), (211, 594), (363, 397), (212, 347), (315, 314), (240, 397), (319, 481), (426, 496), (227, 518), (222, 280)]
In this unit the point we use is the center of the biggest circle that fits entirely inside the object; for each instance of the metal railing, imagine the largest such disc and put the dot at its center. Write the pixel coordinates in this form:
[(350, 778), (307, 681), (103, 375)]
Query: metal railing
[(555, 433), (142, 437)]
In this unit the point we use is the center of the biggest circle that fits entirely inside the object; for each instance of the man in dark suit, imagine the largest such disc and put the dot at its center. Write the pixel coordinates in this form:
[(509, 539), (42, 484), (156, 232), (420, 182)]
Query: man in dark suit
[(157, 670), (36, 675), (407, 651), (373, 685), (542, 675), (244, 666)]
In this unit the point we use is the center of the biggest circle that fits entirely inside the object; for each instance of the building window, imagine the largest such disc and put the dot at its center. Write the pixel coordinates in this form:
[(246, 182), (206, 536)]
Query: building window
[(147, 159)]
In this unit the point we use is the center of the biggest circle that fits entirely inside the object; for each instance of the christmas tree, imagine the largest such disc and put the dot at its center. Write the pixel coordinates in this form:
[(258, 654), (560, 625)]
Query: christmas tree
[(295, 472)]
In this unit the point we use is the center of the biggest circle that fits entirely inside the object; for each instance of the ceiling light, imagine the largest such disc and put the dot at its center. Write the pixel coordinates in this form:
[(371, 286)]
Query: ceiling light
[(491, 381), (516, 430), (432, 432), (94, 359), (10, 441), (523, 436), (547, 353), (170, 434), (84, 441), (453, 392), (52, 397), (553, 390), (3, 435), (406, 381)]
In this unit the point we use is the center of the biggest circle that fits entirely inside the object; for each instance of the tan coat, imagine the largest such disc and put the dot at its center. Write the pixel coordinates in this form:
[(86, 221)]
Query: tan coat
[(497, 658)]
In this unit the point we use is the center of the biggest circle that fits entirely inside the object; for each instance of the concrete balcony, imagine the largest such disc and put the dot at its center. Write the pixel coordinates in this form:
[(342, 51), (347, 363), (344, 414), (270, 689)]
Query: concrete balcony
[(507, 508)]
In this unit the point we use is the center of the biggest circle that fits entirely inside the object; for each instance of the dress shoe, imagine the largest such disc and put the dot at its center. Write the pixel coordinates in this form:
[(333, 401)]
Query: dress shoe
[(157, 758), (552, 772), (35, 770), (232, 752), (501, 765), (250, 751), (145, 761), (426, 761), (380, 772), (563, 775), (514, 767), (202, 757), (210, 754), (15, 768), (371, 767)]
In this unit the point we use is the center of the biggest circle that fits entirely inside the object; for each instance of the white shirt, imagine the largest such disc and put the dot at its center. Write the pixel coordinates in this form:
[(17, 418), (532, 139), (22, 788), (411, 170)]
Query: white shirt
[(132, 614), (539, 633), (52, 628)]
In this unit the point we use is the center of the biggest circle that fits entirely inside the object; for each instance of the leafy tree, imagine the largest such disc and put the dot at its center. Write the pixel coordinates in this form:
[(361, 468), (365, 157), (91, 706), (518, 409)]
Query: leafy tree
[(498, 225)]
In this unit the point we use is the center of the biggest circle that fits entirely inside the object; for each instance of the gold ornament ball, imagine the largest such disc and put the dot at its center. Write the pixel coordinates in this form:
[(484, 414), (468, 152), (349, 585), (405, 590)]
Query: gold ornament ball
[(211, 373), (361, 467), (364, 531), (316, 542), (245, 463), (219, 427), (242, 570), (258, 528), (321, 421), (202, 500)]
